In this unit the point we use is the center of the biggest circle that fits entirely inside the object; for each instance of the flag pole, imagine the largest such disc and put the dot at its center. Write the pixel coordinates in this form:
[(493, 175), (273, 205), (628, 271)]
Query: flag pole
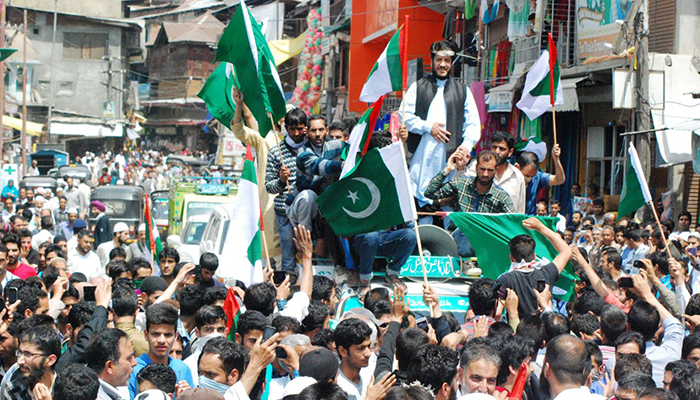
[(552, 90), (554, 124), (264, 241), (661, 229), (279, 147)]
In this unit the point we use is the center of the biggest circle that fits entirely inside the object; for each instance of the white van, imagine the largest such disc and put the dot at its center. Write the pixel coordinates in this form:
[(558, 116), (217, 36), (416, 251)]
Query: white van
[(216, 230)]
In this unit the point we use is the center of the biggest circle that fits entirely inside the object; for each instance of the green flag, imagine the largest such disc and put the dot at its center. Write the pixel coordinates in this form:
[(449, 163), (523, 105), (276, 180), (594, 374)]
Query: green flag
[(216, 93), (635, 191), (373, 197), (489, 235), (4, 53), (244, 45)]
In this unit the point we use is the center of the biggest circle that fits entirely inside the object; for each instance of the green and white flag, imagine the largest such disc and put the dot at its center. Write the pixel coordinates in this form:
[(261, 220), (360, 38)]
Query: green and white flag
[(217, 92), (538, 96), (241, 255), (635, 190), (361, 135), (388, 74), (489, 235), (244, 45), (373, 197)]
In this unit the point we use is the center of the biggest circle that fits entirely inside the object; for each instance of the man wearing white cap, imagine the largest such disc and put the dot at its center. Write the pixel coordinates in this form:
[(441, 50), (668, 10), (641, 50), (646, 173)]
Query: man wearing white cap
[(138, 248), (121, 235), (65, 228)]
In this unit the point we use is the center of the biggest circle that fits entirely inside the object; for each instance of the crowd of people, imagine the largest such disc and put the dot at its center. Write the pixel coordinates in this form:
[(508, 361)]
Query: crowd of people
[(88, 314)]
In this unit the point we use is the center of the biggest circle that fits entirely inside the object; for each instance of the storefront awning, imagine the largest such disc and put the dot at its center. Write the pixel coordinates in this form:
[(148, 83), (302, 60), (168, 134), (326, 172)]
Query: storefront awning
[(87, 130), (501, 98), (33, 128)]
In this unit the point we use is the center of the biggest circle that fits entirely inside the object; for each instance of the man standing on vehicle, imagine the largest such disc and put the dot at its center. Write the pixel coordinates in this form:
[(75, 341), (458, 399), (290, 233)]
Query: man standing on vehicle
[(102, 225)]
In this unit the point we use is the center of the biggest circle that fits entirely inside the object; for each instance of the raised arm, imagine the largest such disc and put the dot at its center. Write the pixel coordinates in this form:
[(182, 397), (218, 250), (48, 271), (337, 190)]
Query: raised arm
[(559, 244), (593, 277), (559, 176)]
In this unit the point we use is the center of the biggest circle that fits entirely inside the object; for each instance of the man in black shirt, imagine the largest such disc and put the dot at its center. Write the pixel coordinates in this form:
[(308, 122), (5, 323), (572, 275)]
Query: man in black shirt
[(526, 271)]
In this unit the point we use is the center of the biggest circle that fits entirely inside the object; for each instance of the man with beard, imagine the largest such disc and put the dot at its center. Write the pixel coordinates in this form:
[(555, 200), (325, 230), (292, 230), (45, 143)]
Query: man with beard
[(473, 194), (565, 369), (353, 344), (65, 228), (111, 356), (39, 349), (5, 275), (161, 328), (479, 366), (507, 176), (8, 347), (83, 259), (435, 366), (442, 116), (607, 242), (121, 235), (102, 225), (138, 248), (14, 266)]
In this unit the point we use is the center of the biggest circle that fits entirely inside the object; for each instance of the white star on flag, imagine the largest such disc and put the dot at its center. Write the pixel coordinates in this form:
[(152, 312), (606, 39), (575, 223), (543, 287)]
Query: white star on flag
[(352, 196)]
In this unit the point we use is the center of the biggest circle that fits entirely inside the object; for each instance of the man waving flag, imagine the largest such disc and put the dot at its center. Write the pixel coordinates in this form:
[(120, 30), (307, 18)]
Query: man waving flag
[(538, 96)]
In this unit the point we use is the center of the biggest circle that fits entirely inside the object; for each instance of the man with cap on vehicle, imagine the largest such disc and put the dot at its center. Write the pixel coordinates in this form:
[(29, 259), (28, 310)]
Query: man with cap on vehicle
[(102, 225), (138, 248), (121, 235)]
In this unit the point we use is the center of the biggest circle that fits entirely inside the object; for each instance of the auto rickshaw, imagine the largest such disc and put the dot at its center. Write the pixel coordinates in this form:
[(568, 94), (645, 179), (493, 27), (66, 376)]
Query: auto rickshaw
[(122, 203)]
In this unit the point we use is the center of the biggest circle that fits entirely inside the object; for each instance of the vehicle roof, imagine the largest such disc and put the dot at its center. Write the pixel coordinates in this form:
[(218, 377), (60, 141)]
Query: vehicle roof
[(225, 209), (204, 198), (160, 195), (187, 160), (39, 180), (117, 192)]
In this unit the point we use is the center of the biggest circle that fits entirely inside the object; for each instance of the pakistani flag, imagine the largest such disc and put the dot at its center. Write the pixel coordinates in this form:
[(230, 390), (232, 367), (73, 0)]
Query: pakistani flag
[(244, 45), (489, 235), (537, 94), (373, 197), (217, 92), (361, 134), (635, 191), (389, 73), (534, 142), (241, 250)]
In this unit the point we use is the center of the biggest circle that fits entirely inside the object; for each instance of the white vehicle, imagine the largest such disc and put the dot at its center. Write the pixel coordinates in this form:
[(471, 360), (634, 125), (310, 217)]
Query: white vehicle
[(188, 242), (217, 227)]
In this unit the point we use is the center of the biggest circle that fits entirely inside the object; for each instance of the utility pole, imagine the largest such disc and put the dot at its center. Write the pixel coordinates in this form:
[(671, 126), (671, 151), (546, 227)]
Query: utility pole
[(642, 110), (23, 170), (2, 81), (109, 76), (53, 50)]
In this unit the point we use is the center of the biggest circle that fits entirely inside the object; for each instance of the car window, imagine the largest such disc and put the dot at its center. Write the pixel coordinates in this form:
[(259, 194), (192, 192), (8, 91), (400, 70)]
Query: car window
[(194, 232)]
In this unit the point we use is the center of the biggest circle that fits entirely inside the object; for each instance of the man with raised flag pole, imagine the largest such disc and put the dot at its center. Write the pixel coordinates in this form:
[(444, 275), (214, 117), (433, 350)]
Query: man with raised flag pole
[(442, 118)]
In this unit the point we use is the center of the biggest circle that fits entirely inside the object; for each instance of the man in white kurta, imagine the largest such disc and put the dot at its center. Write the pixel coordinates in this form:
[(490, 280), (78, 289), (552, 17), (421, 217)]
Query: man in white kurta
[(442, 117)]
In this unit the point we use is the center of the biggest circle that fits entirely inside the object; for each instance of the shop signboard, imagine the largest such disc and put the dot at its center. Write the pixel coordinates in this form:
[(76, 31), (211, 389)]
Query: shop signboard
[(597, 26)]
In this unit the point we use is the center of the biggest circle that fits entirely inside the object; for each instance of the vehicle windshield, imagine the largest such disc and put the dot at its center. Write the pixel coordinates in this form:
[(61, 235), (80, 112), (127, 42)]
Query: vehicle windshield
[(194, 231), (160, 209), (199, 208)]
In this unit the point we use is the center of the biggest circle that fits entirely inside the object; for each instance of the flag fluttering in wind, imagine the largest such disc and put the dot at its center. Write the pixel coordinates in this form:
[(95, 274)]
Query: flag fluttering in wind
[(232, 308), (361, 134), (489, 235), (635, 190), (152, 236), (241, 256), (376, 195), (538, 96), (389, 72), (217, 92), (244, 45)]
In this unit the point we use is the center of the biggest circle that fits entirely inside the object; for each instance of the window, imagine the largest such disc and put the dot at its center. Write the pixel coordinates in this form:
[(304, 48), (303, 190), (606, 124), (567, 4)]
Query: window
[(85, 46), (605, 158)]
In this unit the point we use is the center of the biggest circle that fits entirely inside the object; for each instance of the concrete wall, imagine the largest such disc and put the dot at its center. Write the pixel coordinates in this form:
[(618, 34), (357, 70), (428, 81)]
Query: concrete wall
[(79, 85), (90, 8), (688, 27)]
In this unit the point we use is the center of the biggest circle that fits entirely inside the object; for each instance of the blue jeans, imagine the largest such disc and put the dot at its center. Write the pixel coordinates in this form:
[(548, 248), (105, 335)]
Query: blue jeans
[(398, 245), (286, 231), (465, 248)]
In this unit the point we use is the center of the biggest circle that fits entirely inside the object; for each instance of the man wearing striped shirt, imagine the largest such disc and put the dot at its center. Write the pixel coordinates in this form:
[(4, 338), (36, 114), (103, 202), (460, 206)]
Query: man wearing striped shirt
[(280, 179)]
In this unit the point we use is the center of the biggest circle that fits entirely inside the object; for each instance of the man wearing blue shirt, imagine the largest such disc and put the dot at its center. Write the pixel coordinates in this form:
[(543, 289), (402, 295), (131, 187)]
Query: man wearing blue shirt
[(161, 323), (535, 180)]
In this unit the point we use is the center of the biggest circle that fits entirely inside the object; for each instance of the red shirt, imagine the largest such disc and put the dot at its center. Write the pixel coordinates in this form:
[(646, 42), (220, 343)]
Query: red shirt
[(23, 271)]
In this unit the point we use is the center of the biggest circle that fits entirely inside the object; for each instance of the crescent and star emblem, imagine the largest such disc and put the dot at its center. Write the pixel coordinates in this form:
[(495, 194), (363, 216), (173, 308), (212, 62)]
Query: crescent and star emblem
[(373, 205)]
